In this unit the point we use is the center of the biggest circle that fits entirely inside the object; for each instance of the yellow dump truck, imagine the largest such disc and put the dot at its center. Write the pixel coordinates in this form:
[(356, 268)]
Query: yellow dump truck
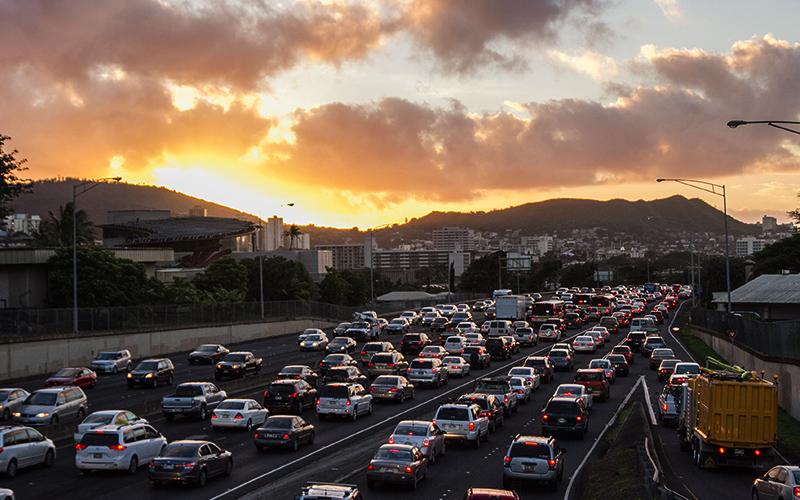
[(728, 419)]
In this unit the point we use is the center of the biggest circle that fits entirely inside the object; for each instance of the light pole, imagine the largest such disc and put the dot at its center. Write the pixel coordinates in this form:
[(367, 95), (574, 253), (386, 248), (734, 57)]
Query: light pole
[(772, 123), (719, 190), (77, 190), (261, 265), (372, 263)]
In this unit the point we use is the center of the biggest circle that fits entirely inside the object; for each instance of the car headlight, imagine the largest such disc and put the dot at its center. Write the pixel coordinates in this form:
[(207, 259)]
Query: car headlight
[(42, 414), (235, 367), (149, 375), (130, 375), (16, 414), (219, 365)]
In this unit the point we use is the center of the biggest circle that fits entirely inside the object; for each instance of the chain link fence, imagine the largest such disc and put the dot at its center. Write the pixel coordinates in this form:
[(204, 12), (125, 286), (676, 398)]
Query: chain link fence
[(777, 340)]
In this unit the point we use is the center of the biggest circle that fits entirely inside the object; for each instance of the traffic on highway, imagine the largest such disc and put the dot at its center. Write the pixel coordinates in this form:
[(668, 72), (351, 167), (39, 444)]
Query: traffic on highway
[(501, 398)]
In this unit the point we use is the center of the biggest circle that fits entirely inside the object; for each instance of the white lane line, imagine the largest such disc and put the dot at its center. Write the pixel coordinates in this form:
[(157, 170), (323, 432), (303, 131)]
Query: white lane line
[(597, 439), (378, 424), (669, 331), (650, 412)]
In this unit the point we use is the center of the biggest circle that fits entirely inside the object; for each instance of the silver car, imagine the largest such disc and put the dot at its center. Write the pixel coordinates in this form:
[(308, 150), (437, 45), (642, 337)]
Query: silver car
[(10, 400), (534, 459), (112, 361), (24, 447), (51, 405), (781, 482), (314, 342), (423, 434)]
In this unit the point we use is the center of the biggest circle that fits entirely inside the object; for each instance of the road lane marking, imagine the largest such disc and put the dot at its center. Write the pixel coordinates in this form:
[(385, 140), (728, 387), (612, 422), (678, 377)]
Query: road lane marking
[(649, 403), (669, 331)]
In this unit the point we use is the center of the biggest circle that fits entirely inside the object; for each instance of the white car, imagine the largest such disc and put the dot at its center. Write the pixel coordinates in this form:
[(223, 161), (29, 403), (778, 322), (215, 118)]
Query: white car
[(528, 373), (309, 331), (345, 400), (118, 447), (112, 361), (456, 365), (475, 339), (411, 317), (455, 344), (239, 414), (606, 366), (314, 342), (105, 417), (603, 332), (526, 336), (6, 494), (467, 327), (549, 331), (597, 336), (584, 343), (576, 391), (522, 389)]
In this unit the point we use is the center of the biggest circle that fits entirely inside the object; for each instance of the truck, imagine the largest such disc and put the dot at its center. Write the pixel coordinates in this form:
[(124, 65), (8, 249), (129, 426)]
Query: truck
[(511, 307), (728, 418), (197, 399)]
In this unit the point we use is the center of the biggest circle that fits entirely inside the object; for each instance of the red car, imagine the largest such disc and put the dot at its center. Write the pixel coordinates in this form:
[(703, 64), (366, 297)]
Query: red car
[(81, 377), (625, 351), (594, 379), (490, 494)]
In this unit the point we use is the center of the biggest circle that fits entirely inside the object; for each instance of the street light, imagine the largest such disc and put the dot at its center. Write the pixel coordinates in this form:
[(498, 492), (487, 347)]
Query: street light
[(771, 123), (719, 190), (77, 190)]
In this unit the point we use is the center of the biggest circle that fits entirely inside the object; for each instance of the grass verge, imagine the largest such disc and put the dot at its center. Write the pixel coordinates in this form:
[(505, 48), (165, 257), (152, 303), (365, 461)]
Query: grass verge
[(699, 349)]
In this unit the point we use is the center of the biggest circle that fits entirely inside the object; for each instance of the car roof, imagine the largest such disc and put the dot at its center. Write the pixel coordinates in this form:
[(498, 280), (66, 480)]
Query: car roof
[(563, 399), (193, 383), (589, 370), (154, 359), (58, 389), (399, 446), (533, 439), (239, 352)]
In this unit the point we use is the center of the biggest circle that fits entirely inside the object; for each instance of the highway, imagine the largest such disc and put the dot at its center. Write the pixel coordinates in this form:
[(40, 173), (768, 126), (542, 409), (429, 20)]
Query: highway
[(342, 448)]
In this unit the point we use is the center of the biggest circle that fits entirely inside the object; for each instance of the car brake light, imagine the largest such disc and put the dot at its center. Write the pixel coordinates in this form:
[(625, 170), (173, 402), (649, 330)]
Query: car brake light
[(213, 416), (519, 391), (391, 439), (348, 403), (370, 467), (506, 460), (433, 422), (757, 453), (78, 446), (390, 365), (294, 395), (393, 389), (664, 407), (408, 470), (505, 398), (472, 426), (545, 417), (426, 443), (579, 419), (117, 447), (551, 464), (187, 465), (238, 416), (797, 491), (721, 450), (266, 393), (317, 403), (371, 364)]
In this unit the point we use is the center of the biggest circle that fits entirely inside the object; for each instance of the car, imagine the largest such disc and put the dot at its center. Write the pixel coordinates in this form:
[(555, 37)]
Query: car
[(652, 343), (461, 317), (238, 414), (665, 369), (283, 431), (564, 414), (584, 343), (194, 399), (526, 336), (599, 335), (433, 351), (349, 374), (543, 365), (118, 447), (105, 417), (499, 386), (343, 400), (625, 351), (606, 366), (499, 348), (635, 340), (299, 372), (575, 391), (51, 406), (594, 379), (314, 342), (371, 348), (440, 325), (447, 310), (462, 422), (490, 494), (456, 365), (397, 463), (564, 345), (428, 317), (363, 331), (490, 312), (574, 320), (24, 447), (463, 308), (561, 359), (467, 327), (381, 323), (533, 459), (398, 326), (152, 372), (207, 354), (523, 389), (112, 361), (190, 461), (307, 332), (387, 363), (622, 319), (491, 407), (455, 344), (477, 356), (413, 343), (392, 387), (669, 399), (341, 344), (549, 331), (686, 369), (80, 377), (333, 360), (339, 329), (610, 323), (658, 355), (512, 343), (474, 338), (781, 482), (289, 395), (428, 371), (422, 434), (10, 400), (411, 317), (237, 365), (498, 327), (620, 364), (315, 490), (527, 373)]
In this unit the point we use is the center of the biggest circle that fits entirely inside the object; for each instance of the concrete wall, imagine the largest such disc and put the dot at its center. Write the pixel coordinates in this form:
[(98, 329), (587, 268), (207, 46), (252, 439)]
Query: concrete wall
[(788, 374), (24, 359)]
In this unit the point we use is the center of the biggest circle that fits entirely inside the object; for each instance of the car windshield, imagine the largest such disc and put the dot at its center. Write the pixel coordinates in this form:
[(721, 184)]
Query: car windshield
[(665, 353), (147, 366), (373, 348), (386, 380), (561, 407), (452, 360), (360, 325), (314, 338), (687, 368), (547, 326), (491, 386), (207, 348), (530, 449), (412, 338), (235, 358), (231, 405), (41, 399), (341, 340), (588, 376), (336, 391), (104, 356), (180, 451), (398, 321), (4, 395), (412, 430), (382, 358), (292, 370), (558, 353), (278, 423), (99, 418), (422, 364), (280, 389), (98, 439), (617, 358), (520, 371), (334, 358), (184, 391), (67, 372), (451, 413), (394, 454), (796, 475), (598, 363)]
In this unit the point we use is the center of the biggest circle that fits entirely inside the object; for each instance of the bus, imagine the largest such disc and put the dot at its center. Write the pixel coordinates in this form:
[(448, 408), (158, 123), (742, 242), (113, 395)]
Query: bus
[(605, 304)]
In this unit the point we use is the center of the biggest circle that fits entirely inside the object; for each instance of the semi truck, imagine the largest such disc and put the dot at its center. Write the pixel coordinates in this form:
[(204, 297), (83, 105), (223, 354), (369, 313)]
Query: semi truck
[(728, 418), (510, 307)]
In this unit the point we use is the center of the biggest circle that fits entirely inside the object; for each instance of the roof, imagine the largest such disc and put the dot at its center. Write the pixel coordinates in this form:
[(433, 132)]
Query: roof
[(142, 232), (768, 289)]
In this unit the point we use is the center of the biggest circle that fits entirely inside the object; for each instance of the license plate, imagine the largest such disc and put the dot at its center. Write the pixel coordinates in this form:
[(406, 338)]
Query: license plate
[(529, 468), (417, 372), (97, 455), (278, 398), (738, 453), (384, 469), (271, 436), (562, 420), (168, 466)]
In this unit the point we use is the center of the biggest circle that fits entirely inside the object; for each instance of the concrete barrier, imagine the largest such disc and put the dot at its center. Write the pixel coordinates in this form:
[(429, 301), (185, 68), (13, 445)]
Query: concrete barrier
[(788, 374), (25, 359)]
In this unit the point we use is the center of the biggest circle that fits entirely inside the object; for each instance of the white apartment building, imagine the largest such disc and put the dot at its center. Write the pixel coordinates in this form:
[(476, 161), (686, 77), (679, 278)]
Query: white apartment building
[(749, 245), (454, 239), (22, 223), (537, 245)]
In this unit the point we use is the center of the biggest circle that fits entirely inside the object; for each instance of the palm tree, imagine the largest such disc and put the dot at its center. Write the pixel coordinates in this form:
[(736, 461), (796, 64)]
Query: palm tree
[(56, 230), (293, 233)]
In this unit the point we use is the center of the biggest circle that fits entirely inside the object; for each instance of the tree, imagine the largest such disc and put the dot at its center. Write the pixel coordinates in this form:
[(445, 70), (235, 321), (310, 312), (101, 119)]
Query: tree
[(781, 255), (56, 230), (283, 280), (11, 185), (481, 275), (292, 233), (795, 214), (578, 274), (224, 275), (181, 291), (333, 288)]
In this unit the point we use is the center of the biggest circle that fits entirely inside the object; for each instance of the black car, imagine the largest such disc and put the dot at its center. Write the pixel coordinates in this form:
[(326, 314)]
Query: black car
[(574, 320), (499, 348), (284, 431), (491, 407), (477, 356), (392, 387), (299, 372), (289, 395), (332, 360), (651, 343), (347, 374), (190, 461), (564, 414), (237, 364), (543, 365), (635, 340), (151, 372), (620, 364), (439, 325), (413, 343), (207, 354)]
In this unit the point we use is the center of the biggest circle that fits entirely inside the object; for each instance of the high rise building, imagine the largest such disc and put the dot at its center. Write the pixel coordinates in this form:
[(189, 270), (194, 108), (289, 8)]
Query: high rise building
[(537, 245), (454, 239), (769, 223), (748, 246), (273, 234), (22, 223), (348, 256)]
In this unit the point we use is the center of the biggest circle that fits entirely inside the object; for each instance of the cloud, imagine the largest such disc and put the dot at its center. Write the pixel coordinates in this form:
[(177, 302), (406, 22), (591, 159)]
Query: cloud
[(598, 66), (671, 9)]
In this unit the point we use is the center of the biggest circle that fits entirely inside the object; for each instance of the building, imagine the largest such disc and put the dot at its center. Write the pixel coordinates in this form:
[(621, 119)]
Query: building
[(769, 223), (348, 256), (198, 211), (404, 264), (272, 234), (749, 245), (537, 245), (316, 261), (454, 239), (22, 223), (300, 242), (772, 296)]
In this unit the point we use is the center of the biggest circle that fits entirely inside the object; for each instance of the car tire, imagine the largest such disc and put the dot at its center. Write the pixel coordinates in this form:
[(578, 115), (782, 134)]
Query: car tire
[(754, 495), (81, 414), (49, 458), (507, 483), (115, 370), (311, 437), (249, 425), (259, 447), (155, 383), (295, 444), (414, 483), (369, 409), (478, 442), (493, 427), (228, 468), (299, 408), (133, 465), (6, 414), (203, 412), (355, 415), (170, 380), (12, 468), (202, 479), (54, 419)]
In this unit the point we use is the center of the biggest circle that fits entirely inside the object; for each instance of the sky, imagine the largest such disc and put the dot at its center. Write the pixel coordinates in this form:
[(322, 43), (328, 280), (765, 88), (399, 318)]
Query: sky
[(369, 112)]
